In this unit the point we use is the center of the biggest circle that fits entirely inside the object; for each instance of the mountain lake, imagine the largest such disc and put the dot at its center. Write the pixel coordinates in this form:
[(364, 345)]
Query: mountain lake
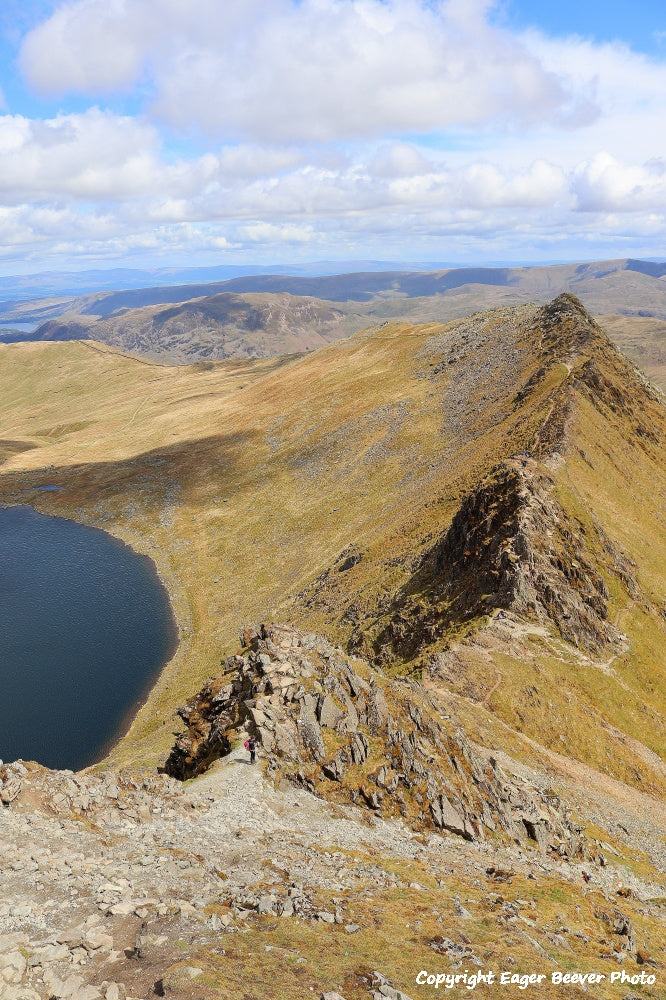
[(85, 628)]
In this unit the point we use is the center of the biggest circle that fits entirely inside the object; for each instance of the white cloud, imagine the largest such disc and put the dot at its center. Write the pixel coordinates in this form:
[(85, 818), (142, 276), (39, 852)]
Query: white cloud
[(400, 159), (269, 233), (276, 70), (243, 161), (604, 184), (88, 46), (96, 155), (106, 182), (627, 87), (313, 111), (89, 155)]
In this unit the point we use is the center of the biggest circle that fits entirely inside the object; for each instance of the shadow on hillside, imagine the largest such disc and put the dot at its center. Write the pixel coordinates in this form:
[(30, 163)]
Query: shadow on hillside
[(178, 473)]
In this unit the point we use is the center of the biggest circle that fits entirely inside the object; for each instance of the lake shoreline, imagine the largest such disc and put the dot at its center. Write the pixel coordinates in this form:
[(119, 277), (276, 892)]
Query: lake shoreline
[(178, 625)]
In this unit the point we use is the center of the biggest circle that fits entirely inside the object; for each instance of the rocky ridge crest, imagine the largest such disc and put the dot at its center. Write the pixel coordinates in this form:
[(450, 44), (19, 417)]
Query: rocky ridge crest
[(512, 546), (345, 731), (116, 888)]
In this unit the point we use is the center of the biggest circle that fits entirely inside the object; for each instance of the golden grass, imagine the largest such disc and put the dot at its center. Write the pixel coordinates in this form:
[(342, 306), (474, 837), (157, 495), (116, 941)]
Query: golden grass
[(559, 927), (244, 481)]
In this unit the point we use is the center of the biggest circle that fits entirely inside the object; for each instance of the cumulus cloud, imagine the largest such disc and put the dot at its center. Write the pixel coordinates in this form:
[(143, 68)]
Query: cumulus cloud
[(117, 170), (88, 47), (277, 70), (97, 155), (626, 87), (604, 184), (390, 127), (269, 233), (400, 159), (93, 154)]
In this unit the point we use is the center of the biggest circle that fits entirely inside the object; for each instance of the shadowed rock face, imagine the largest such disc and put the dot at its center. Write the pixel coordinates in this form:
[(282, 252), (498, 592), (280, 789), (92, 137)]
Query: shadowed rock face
[(344, 731), (511, 545)]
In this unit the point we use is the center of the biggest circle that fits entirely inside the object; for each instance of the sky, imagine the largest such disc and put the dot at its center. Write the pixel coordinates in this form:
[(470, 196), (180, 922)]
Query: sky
[(149, 133)]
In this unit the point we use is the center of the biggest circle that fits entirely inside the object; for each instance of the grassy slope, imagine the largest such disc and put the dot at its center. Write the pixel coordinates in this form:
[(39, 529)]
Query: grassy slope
[(643, 339), (244, 480), (154, 454)]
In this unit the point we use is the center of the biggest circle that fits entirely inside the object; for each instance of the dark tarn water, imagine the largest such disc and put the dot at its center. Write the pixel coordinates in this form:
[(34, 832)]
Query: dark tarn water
[(85, 627)]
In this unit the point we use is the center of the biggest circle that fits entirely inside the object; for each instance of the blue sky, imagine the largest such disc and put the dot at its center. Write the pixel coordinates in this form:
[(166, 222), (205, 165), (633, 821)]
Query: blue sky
[(160, 132), (641, 24)]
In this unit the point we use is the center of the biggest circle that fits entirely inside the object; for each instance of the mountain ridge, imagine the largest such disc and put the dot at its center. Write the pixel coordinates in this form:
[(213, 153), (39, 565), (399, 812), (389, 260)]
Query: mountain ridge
[(409, 421), (268, 315), (454, 536)]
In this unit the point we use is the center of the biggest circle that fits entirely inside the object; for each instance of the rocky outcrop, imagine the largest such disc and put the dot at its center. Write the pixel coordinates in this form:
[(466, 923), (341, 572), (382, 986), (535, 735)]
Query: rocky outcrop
[(345, 731), (94, 797), (10, 782), (511, 545)]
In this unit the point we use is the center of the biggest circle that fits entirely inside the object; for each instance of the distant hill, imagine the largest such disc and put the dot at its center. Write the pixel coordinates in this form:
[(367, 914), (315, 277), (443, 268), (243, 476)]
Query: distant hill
[(366, 286), (22, 287), (269, 315), (102, 293), (215, 327)]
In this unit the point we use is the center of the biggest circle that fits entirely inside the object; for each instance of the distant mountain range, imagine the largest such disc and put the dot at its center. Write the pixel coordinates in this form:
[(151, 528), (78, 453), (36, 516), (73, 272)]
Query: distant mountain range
[(264, 315), (66, 283)]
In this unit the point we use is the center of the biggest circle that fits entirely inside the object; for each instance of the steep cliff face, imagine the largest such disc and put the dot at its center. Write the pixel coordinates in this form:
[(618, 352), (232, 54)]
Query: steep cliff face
[(345, 732)]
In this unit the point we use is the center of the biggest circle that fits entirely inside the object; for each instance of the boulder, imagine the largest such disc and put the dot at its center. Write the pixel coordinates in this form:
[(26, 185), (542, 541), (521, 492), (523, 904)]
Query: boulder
[(12, 967), (383, 989), (179, 977), (11, 789), (328, 713), (310, 732), (446, 817)]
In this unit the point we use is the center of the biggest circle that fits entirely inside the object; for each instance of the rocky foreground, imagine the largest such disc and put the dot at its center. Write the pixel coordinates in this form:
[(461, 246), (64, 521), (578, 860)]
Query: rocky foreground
[(294, 877)]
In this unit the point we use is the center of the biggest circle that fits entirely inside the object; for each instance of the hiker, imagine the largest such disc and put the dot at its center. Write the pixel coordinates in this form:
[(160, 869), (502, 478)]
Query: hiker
[(251, 745), (586, 877)]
